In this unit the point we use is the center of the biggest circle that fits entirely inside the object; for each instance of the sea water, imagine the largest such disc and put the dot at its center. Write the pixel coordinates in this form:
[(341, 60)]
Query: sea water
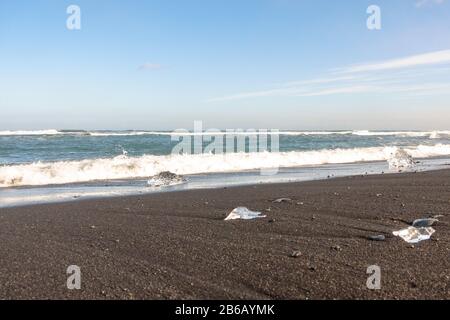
[(59, 165)]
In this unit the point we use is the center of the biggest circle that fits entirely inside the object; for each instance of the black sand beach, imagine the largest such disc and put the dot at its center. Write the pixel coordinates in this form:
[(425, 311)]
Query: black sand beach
[(177, 246)]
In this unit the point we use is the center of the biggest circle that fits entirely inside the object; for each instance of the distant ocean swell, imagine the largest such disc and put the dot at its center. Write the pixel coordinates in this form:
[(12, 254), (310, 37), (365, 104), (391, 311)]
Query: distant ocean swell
[(98, 133), (127, 167)]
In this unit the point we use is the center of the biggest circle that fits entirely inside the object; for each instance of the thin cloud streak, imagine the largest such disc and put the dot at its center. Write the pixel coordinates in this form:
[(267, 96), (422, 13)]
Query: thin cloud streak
[(319, 81), (422, 3), (327, 92), (367, 78), (432, 58)]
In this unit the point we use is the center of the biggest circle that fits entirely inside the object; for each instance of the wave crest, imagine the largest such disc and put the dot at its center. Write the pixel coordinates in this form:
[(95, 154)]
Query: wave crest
[(125, 167)]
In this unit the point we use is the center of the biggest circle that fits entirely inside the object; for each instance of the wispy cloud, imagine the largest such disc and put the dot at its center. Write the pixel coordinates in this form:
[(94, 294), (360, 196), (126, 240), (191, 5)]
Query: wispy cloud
[(332, 91), (291, 89), (319, 81), (150, 66), (303, 91), (432, 58), (413, 74), (422, 3)]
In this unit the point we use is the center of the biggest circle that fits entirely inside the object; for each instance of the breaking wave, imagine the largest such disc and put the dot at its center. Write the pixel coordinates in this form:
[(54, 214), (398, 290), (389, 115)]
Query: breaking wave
[(125, 167), (30, 133)]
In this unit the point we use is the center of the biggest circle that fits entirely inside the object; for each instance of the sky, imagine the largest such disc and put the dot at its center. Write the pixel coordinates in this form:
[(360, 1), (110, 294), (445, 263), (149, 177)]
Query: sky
[(275, 64)]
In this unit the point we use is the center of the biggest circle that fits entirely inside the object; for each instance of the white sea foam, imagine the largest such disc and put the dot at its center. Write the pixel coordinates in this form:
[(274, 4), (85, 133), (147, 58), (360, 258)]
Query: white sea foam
[(30, 133), (124, 167), (430, 134), (126, 133)]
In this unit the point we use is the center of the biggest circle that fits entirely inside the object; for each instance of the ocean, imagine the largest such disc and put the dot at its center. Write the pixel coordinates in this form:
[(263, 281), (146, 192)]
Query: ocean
[(59, 165)]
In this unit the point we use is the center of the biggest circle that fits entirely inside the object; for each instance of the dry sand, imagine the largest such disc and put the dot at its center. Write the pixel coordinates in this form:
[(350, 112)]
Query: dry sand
[(177, 246)]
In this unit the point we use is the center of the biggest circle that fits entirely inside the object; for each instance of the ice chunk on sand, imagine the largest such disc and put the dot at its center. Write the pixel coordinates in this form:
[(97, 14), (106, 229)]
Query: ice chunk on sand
[(414, 235), (243, 213), (400, 159), (165, 178), (282, 200)]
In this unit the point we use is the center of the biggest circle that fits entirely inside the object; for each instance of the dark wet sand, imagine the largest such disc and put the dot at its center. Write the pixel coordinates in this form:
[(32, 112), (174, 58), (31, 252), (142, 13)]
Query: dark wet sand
[(177, 246)]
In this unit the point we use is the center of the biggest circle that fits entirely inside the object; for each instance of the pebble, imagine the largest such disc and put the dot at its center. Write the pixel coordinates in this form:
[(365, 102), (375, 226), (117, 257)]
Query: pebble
[(377, 238), (419, 223), (272, 220)]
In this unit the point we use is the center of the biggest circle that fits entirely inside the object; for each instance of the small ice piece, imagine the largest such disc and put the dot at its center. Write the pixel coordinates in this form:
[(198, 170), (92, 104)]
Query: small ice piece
[(421, 223), (165, 178), (400, 159), (414, 235), (243, 213), (282, 200)]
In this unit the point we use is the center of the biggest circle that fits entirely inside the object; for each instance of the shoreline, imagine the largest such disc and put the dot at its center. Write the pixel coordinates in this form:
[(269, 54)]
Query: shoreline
[(106, 189), (177, 246)]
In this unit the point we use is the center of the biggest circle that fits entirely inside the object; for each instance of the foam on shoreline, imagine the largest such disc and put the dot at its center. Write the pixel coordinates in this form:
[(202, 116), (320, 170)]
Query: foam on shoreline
[(126, 167)]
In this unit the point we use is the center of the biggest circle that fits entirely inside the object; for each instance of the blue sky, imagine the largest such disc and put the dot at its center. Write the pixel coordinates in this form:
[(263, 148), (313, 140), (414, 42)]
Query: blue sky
[(286, 64)]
